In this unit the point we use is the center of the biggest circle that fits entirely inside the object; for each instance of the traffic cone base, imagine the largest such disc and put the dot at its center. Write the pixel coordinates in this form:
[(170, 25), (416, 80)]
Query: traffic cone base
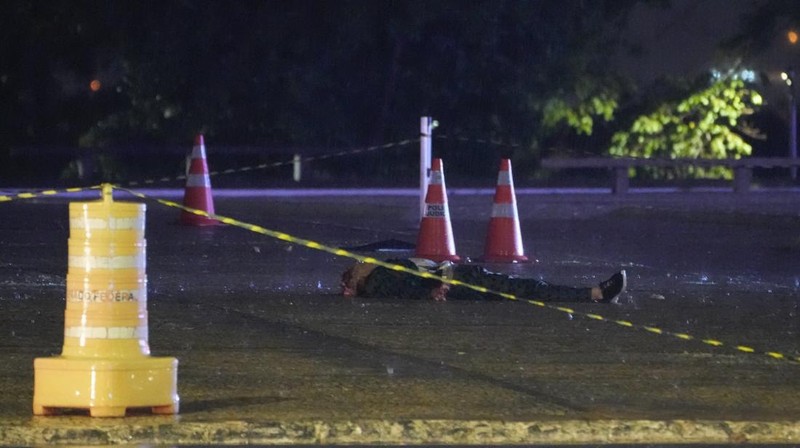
[(504, 241), (435, 241)]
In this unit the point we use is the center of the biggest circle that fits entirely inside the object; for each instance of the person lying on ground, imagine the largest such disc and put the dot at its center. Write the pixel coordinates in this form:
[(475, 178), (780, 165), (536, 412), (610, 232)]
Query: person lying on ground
[(370, 280)]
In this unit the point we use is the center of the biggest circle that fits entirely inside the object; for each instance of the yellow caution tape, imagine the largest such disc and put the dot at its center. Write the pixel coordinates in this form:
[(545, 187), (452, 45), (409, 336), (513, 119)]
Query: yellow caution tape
[(279, 164), (424, 274), (481, 141), (30, 195), (39, 194)]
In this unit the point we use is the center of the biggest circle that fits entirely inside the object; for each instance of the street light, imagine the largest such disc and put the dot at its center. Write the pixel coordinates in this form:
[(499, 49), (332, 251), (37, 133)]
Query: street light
[(791, 36), (788, 78)]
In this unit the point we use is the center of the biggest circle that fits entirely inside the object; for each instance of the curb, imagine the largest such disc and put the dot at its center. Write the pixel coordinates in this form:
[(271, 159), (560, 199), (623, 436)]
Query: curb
[(167, 430)]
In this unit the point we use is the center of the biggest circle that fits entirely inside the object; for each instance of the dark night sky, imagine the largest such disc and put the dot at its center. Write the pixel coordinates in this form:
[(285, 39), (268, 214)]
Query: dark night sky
[(684, 40)]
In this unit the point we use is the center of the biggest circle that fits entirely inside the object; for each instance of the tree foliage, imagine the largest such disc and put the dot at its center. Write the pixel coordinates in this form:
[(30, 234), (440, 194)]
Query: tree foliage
[(348, 72), (701, 125), (580, 107), (331, 74)]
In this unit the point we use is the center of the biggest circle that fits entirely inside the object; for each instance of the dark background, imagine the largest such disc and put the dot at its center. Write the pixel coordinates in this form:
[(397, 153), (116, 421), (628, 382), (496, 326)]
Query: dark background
[(322, 76)]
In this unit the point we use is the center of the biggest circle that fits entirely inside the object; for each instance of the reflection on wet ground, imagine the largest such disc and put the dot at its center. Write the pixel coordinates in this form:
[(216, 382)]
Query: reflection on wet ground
[(262, 335)]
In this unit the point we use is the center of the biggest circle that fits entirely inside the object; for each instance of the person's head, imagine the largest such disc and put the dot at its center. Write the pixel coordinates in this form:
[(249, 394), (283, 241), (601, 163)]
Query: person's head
[(354, 277)]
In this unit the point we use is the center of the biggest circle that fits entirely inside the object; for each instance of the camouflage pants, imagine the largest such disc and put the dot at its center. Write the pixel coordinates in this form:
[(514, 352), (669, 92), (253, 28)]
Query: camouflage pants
[(384, 282), (523, 288)]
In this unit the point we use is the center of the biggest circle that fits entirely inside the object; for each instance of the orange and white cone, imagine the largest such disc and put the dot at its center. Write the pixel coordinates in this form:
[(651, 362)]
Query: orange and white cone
[(198, 188), (435, 240), (504, 238)]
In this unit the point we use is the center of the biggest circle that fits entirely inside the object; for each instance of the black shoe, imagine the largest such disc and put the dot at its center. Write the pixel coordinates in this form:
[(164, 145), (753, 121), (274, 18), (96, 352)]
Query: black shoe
[(613, 287)]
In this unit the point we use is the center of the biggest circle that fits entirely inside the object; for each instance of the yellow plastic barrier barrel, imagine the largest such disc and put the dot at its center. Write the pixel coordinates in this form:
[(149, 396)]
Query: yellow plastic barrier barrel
[(105, 365)]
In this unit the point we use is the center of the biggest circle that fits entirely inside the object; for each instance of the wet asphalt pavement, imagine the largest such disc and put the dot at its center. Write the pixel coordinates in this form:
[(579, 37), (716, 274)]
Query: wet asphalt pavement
[(269, 353)]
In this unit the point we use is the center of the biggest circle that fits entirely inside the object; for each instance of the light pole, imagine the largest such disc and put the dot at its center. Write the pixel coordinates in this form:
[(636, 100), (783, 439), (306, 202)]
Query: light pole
[(788, 78), (426, 127)]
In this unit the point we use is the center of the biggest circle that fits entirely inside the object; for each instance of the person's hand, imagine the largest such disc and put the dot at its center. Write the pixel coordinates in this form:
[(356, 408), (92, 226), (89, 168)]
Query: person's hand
[(347, 291), (439, 293), (354, 277)]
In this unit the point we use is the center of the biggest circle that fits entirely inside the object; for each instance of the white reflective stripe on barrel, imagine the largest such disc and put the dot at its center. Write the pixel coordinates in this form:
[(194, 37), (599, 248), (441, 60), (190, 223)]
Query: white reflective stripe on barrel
[(89, 262), (110, 223), (106, 332)]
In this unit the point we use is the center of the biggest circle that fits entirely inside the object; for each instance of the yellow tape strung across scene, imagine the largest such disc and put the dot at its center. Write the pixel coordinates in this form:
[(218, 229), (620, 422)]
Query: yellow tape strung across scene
[(481, 141), (279, 164), (344, 253), (31, 195), (44, 193)]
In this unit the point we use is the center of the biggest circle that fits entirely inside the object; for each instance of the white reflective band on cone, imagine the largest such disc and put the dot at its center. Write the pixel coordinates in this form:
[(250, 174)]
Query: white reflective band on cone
[(198, 180), (436, 178), (504, 178), (110, 223), (503, 211), (106, 332), (199, 152), (89, 262)]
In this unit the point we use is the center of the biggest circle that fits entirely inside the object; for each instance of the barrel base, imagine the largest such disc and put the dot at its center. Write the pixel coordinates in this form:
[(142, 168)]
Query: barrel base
[(106, 388)]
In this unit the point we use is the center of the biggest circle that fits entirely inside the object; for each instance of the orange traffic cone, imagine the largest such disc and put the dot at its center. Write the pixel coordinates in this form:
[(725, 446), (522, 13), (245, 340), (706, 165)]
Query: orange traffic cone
[(198, 188), (435, 239), (504, 239)]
